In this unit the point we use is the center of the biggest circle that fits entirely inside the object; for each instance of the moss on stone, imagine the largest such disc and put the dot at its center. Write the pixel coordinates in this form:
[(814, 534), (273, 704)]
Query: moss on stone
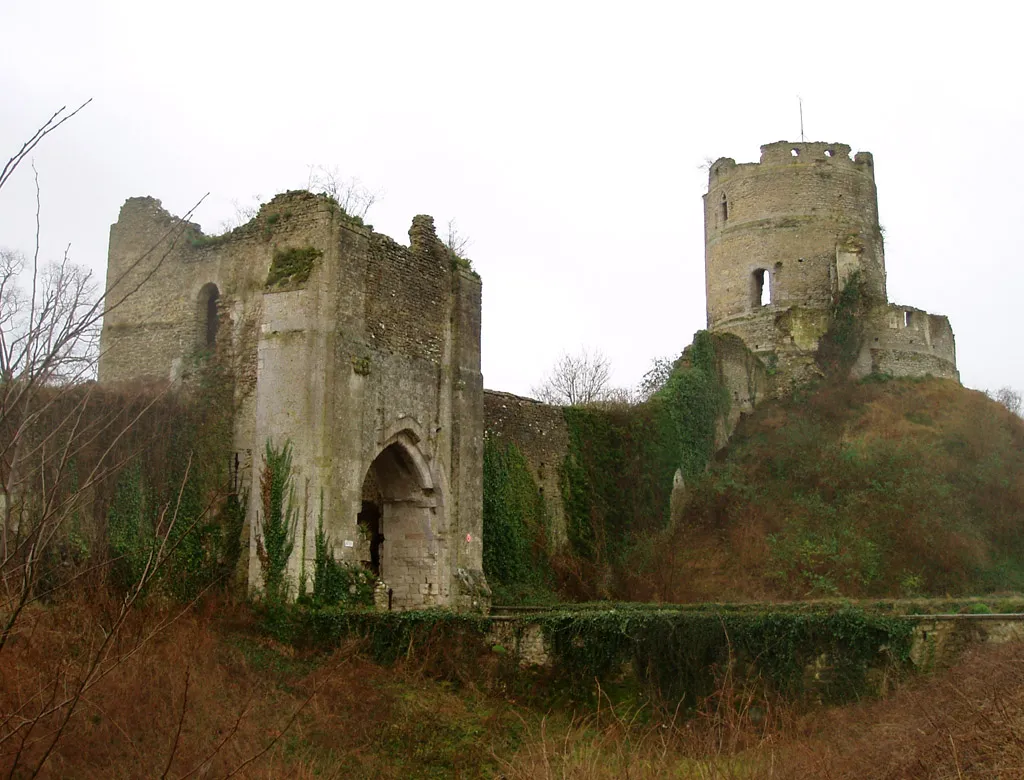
[(292, 266)]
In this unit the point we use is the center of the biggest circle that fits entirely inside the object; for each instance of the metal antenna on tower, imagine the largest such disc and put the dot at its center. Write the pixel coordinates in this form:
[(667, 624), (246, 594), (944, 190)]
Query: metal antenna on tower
[(800, 100)]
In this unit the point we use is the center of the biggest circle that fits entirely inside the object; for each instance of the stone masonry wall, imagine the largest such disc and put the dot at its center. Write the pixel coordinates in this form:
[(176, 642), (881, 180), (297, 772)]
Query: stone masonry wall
[(540, 433)]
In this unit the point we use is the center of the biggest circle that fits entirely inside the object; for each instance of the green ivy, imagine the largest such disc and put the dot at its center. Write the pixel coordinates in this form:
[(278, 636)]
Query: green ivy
[(390, 636), (677, 654), (292, 266), (337, 582), (673, 655), (277, 522), (515, 526), (842, 342), (130, 531), (618, 475)]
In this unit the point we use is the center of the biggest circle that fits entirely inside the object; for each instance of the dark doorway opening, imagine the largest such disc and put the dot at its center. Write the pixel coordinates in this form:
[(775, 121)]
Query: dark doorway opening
[(368, 520)]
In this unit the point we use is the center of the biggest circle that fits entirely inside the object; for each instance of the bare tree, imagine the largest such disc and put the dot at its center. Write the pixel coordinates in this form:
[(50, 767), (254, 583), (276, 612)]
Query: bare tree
[(1009, 398), (42, 336), (576, 379), (50, 317), (620, 396), (354, 198)]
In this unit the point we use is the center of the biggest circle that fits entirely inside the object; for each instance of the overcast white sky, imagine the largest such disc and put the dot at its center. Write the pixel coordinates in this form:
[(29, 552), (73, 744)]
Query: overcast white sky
[(565, 138)]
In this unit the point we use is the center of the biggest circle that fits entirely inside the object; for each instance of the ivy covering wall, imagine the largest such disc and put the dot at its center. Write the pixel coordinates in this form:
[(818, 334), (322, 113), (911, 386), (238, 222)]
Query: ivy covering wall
[(515, 526), (617, 477), (616, 480)]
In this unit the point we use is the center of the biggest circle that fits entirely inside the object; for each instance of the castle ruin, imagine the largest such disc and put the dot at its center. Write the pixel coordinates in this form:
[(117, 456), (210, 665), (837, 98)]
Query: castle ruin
[(365, 354)]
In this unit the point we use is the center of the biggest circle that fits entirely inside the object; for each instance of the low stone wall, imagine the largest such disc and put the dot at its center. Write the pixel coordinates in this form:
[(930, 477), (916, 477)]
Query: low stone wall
[(939, 639)]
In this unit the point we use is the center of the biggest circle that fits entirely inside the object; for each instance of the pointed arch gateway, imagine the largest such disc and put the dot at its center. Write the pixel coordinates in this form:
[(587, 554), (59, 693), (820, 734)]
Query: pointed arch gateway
[(401, 521)]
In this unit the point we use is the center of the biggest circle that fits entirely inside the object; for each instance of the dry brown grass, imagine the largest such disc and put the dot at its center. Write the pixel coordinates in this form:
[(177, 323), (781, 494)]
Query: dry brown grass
[(184, 701), (967, 722), (871, 489), (209, 695), (731, 734)]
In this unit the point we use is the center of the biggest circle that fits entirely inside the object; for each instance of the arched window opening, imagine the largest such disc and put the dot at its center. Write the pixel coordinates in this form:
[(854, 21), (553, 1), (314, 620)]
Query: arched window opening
[(208, 315), (761, 288), (723, 210)]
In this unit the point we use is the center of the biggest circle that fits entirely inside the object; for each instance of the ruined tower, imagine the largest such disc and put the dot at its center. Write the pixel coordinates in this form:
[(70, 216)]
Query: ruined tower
[(360, 352), (783, 237)]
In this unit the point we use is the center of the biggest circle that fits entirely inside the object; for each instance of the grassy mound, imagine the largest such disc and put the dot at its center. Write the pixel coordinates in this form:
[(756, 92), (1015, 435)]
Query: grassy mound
[(881, 488)]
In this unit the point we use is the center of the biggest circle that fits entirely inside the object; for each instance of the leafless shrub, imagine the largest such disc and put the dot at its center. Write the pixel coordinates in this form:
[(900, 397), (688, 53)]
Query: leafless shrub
[(243, 213), (354, 198), (50, 317)]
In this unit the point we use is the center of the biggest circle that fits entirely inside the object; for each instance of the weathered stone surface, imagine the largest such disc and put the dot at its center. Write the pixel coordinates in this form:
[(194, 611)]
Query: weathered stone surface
[(370, 366)]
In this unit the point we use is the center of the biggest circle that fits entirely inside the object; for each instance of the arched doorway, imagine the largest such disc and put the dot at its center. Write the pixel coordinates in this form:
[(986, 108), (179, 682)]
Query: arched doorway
[(399, 520)]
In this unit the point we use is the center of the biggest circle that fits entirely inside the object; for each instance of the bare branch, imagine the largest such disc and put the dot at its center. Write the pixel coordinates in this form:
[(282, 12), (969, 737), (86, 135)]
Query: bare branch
[(1009, 398), (353, 197), (48, 127), (457, 243)]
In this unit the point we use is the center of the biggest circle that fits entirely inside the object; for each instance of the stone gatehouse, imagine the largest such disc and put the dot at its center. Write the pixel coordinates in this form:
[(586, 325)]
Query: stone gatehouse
[(361, 352)]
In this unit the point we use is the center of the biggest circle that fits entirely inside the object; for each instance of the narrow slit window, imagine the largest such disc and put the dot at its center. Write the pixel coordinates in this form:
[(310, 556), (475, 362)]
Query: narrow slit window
[(723, 210), (907, 319), (208, 315), (761, 288)]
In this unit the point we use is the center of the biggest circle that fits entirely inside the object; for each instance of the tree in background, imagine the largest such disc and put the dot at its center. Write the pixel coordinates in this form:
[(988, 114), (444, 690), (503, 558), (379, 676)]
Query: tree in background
[(1008, 397), (655, 378), (576, 380), (457, 243)]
